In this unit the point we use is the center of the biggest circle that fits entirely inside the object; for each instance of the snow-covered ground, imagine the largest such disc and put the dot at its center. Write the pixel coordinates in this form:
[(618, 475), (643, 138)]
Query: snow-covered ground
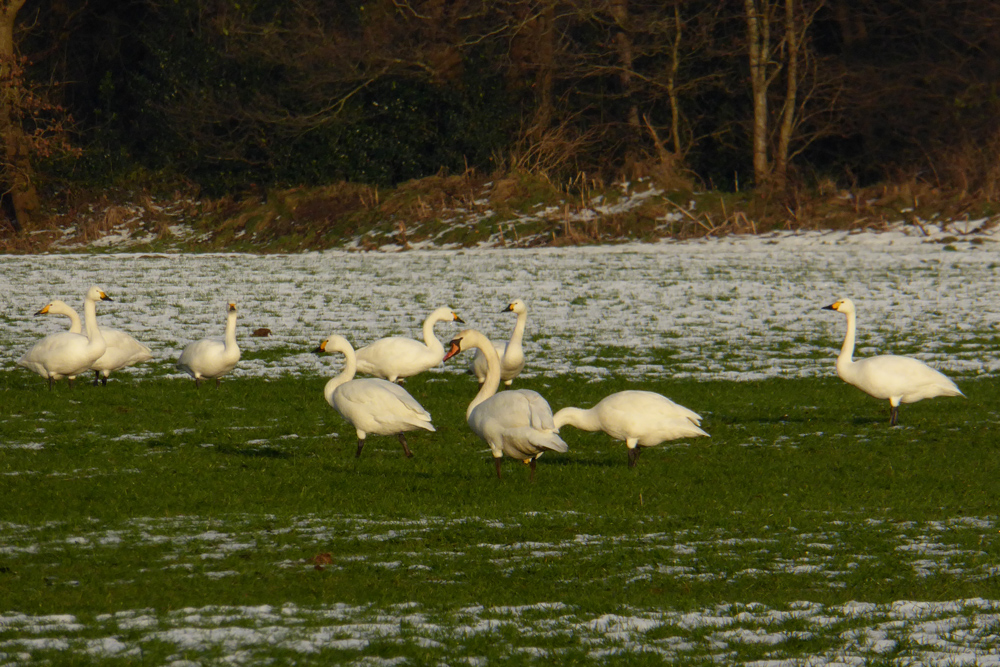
[(739, 307)]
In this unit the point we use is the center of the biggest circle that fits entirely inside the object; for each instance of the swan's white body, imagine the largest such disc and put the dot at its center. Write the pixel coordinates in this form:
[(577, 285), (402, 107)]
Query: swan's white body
[(371, 405), (517, 423), (123, 350), (898, 379), (211, 357), (511, 353), (69, 353), (398, 357), (640, 418)]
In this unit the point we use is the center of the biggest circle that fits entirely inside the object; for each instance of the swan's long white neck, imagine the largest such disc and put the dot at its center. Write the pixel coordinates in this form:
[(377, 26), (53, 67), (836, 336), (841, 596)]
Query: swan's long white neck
[(430, 339), (231, 332), (492, 381), (518, 335), (74, 320), (846, 357), (585, 420), (94, 334), (346, 375)]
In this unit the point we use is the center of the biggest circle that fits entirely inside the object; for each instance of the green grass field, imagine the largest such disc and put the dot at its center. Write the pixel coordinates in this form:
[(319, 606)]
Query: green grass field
[(124, 506)]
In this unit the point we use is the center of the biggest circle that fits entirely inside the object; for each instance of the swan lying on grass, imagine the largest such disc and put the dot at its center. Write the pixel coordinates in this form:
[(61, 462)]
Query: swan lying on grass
[(640, 418), (899, 379), (398, 357), (517, 423), (371, 405), (69, 353), (511, 353), (211, 357)]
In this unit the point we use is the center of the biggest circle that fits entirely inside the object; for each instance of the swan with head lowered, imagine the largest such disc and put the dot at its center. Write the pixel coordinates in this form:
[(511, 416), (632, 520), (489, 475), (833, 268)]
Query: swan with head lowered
[(899, 379), (69, 353), (511, 353), (211, 357), (399, 357), (640, 418), (371, 405), (517, 423)]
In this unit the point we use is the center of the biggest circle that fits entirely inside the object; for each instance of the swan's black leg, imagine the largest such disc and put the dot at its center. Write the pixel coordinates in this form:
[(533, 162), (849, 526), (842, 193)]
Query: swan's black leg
[(197, 383), (361, 443), (633, 456), (218, 382), (97, 377), (406, 450), (893, 415), (104, 381), (496, 461), (531, 477), (70, 380), (50, 383)]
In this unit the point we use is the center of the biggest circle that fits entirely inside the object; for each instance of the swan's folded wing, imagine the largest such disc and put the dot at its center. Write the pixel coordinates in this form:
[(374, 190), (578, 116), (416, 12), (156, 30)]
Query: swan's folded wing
[(526, 442), (383, 398)]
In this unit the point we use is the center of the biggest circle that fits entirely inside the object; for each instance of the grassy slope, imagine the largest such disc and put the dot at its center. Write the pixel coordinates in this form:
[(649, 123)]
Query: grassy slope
[(786, 458)]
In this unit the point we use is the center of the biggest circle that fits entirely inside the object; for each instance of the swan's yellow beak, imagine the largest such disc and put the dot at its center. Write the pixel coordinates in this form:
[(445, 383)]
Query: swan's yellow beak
[(833, 306), (232, 307), (44, 311), (105, 297), (321, 348), (454, 349), (508, 309), (456, 318)]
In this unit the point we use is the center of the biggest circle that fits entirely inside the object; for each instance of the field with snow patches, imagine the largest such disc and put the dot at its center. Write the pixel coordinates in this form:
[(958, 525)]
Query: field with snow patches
[(148, 521)]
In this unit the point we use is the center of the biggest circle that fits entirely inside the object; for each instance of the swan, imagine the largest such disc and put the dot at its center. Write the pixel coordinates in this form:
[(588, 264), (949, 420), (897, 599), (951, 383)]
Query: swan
[(398, 357), (122, 350), (210, 357), (511, 354), (899, 379), (517, 423), (371, 405), (69, 353), (640, 418)]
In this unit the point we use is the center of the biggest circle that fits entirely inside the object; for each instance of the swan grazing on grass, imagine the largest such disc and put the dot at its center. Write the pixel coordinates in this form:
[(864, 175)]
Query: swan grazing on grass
[(511, 354), (69, 353), (210, 357), (398, 357), (899, 379), (517, 423), (640, 418), (371, 405)]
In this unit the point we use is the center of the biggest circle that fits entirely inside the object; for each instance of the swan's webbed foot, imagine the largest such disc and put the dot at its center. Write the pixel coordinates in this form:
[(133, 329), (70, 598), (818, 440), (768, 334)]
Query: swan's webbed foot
[(406, 450), (361, 444)]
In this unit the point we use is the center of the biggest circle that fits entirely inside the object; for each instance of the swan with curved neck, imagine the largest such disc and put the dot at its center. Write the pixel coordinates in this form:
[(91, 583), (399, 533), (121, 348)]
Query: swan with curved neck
[(211, 357), (371, 405), (69, 353), (399, 357), (517, 423), (640, 418), (898, 379), (511, 352)]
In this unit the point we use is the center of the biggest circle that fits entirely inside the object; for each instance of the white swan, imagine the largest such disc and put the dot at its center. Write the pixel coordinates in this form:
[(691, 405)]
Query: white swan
[(640, 418), (511, 353), (371, 405), (69, 353), (517, 423), (211, 357), (122, 350), (398, 357), (899, 379)]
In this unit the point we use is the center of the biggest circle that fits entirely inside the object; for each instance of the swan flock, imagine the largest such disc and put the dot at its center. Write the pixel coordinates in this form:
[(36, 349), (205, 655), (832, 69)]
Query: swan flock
[(517, 424)]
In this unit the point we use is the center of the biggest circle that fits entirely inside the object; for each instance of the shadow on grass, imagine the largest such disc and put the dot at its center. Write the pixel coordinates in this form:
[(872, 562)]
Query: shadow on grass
[(255, 452)]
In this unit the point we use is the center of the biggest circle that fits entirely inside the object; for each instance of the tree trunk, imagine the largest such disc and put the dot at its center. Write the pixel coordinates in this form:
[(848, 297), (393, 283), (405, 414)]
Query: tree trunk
[(623, 43), (544, 32), (17, 171), (780, 174), (759, 38)]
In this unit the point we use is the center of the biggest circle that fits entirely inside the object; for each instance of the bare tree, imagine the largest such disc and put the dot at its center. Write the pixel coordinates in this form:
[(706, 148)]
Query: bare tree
[(18, 176)]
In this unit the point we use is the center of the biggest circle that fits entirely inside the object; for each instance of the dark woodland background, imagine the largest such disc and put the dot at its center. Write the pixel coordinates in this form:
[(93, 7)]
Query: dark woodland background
[(236, 96)]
